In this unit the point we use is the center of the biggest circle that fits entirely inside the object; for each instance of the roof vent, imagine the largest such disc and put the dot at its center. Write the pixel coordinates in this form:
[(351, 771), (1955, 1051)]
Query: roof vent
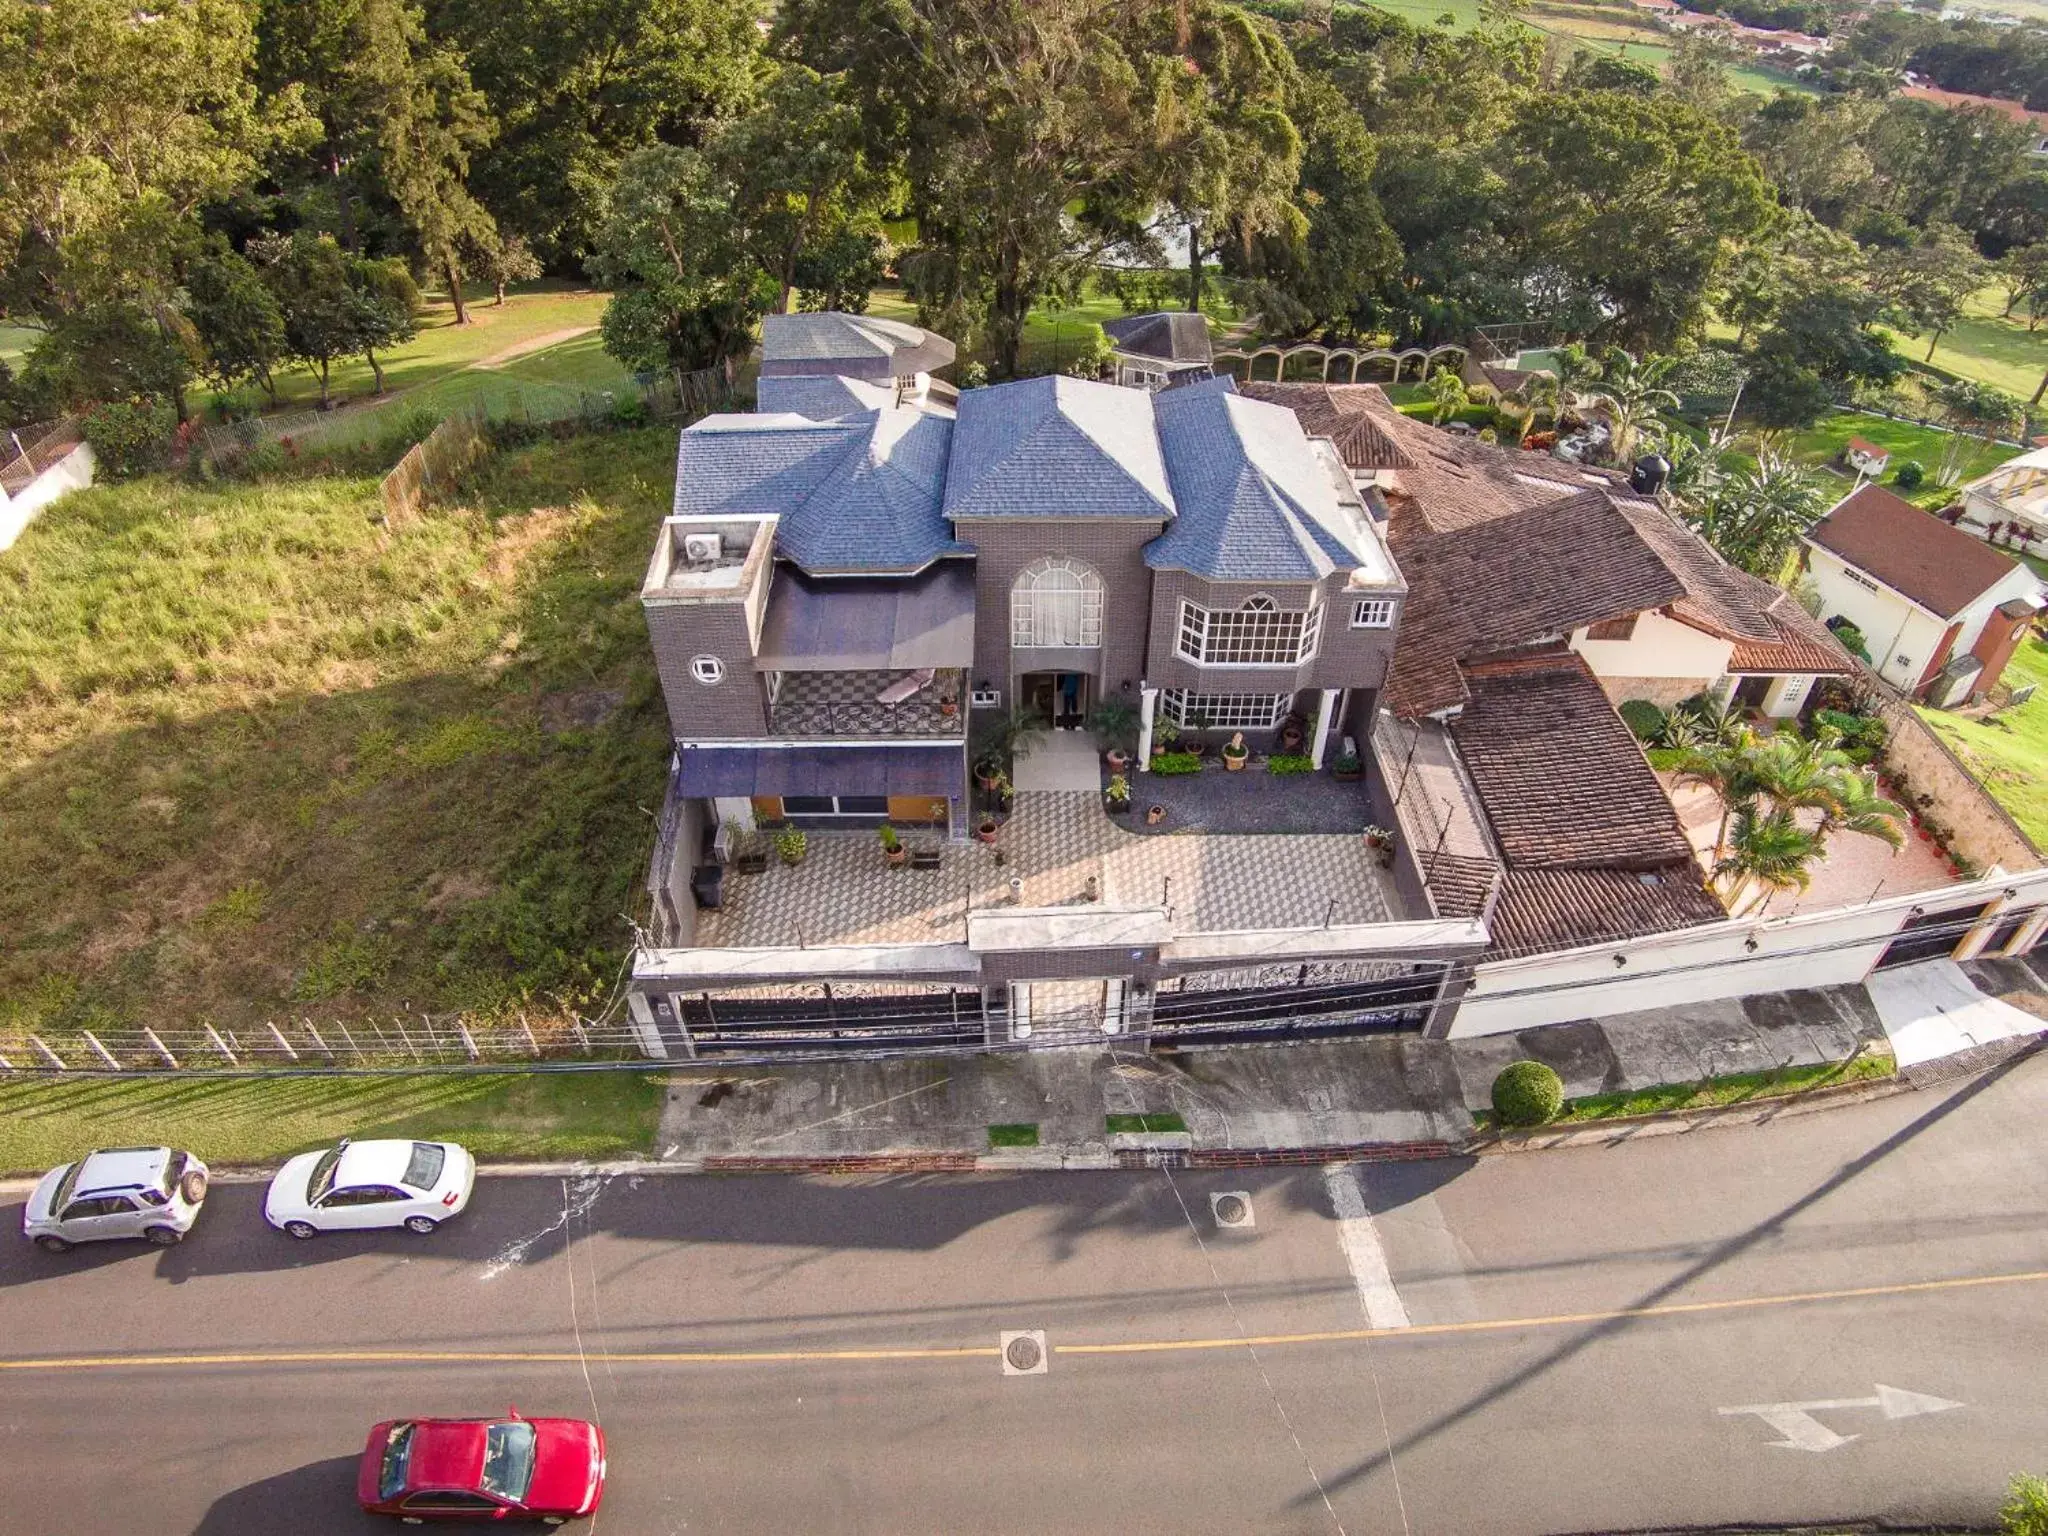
[(702, 548)]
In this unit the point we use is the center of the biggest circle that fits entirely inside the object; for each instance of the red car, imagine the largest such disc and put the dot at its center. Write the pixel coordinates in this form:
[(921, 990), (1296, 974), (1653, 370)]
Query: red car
[(482, 1469)]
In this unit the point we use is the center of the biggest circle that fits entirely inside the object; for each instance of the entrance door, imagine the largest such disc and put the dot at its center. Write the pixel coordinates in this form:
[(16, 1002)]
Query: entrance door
[(1060, 699)]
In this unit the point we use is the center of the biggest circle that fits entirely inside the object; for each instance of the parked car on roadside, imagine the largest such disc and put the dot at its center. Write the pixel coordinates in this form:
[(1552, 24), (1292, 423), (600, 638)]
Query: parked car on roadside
[(514, 1468), (358, 1185), (154, 1193)]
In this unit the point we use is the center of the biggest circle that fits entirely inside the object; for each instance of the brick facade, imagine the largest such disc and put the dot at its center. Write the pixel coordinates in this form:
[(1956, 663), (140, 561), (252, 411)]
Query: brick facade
[(1114, 547), (735, 707)]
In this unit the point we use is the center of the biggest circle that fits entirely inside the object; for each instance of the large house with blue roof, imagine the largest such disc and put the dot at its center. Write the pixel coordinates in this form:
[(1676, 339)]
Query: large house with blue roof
[(853, 570)]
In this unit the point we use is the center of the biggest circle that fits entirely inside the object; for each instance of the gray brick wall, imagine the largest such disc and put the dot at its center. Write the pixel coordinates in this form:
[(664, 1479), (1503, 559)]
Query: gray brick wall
[(1345, 658), (1117, 551), (736, 706)]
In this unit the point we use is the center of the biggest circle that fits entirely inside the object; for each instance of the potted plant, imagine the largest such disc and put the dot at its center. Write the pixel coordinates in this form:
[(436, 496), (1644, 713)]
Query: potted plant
[(1235, 752), (1154, 814), (1165, 737), (894, 854), (1116, 795), (949, 705), (1001, 740), (1197, 723), (1115, 725), (985, 829), (790, 843), (1347, 769), (1377, 838)]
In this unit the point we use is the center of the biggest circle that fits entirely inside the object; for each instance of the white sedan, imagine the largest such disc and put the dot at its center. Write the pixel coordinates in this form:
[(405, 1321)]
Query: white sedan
[(360, 1184)]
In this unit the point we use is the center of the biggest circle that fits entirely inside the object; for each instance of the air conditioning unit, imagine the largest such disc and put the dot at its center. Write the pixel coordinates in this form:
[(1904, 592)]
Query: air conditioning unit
[(702, 548)]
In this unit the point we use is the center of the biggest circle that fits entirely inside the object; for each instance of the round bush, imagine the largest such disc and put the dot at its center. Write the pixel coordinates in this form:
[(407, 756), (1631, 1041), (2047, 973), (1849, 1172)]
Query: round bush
[(1909, 475), (1644, 718), (1527, 1093)]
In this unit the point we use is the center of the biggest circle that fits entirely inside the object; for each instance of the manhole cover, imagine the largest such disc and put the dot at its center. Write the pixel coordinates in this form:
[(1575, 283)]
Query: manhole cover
[(1231, 1208), (1023, 1353)]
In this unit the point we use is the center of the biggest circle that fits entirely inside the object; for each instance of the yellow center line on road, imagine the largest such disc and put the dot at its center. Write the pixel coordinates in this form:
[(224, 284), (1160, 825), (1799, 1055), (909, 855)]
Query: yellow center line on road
[(991, 1352)]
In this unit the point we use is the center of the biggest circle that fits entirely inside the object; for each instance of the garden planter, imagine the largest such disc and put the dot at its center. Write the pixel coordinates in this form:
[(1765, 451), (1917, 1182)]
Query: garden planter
[(1116, 807), (1118, 761), (752, 863), (895, 858), (1234, 764), (1347, 775), (988, 778), (1154, 815), (985, 830)]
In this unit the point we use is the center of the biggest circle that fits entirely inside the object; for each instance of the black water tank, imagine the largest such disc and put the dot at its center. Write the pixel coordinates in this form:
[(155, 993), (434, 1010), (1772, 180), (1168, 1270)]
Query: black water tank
[(1649, 475)]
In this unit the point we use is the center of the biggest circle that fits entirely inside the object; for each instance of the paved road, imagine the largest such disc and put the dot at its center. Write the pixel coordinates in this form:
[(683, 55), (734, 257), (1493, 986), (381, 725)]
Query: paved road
[(1527, 1344)]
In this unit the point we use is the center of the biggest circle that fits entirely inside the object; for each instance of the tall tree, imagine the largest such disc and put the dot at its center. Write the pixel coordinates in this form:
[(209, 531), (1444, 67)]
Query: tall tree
[(429, 119), (577, 85), (1925, 285), (1025, 126), (310, 275), (687, 288), (1634, 395), (238, 320), (803, 175), (1634, 204)]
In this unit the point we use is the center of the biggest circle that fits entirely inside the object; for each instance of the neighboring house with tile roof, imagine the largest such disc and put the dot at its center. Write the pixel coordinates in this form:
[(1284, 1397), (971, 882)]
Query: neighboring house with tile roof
[(1160, 350), (1941, 612), (849, 572), (2009, 506)]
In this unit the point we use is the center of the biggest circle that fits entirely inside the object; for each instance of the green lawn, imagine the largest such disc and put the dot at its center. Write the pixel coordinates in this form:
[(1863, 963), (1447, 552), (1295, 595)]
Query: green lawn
[(15, 341), (2009, 754), (264, 759), (1820, 445), (247, 1123), (1983, 346)]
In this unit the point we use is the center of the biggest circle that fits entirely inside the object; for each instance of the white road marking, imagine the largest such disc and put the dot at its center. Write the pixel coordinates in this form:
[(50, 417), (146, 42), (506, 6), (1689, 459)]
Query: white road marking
[(1803, 1432), (1362, 1250)]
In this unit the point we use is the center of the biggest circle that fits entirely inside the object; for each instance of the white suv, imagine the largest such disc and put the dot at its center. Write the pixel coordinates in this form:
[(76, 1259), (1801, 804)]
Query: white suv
[(147, 1192)]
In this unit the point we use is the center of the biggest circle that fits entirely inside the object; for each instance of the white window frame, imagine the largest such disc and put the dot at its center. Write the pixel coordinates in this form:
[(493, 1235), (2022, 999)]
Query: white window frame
[(985, 698), (1226, 711), (707, 669), (1037, 624), (1372, 613), (1260, 633)]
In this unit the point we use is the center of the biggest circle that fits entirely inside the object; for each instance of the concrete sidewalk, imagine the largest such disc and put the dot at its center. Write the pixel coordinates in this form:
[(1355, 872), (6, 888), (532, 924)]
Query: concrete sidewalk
[(1331, 1094)]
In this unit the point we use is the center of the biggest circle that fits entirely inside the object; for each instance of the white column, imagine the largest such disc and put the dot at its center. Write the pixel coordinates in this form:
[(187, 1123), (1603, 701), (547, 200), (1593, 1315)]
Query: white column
[(1147, 699), (1324, 720), (1785, 696)]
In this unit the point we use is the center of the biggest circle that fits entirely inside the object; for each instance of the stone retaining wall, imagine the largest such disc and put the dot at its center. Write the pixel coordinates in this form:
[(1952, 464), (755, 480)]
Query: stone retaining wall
[(1978, 827)]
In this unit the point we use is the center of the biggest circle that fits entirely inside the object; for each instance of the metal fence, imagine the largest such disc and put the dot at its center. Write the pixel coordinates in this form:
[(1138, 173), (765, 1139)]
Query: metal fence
[(388, 1043), (27, 451)]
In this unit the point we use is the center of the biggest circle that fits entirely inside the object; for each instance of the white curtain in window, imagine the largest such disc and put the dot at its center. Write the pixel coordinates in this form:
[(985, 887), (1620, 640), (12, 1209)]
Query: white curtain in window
[(1056, 602)]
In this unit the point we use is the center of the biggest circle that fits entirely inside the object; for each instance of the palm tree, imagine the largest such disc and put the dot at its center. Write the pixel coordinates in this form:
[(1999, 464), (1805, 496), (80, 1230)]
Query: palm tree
[(1755, 516), (1634, 395), (1771, 847), (1575, 371), (1858, 807)]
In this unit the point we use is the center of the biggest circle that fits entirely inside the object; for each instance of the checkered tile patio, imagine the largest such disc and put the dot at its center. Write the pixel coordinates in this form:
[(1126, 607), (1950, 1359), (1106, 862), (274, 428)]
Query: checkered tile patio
[(842, 893)]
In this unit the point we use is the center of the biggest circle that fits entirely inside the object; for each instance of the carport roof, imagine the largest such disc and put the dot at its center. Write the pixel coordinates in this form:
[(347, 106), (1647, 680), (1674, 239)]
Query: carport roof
[(808, 770), (860, 623)]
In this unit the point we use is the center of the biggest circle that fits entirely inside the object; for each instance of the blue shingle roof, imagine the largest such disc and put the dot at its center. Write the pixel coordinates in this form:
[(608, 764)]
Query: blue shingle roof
[(860, 494), (822, 397), (1256, 504), (1056, 447)]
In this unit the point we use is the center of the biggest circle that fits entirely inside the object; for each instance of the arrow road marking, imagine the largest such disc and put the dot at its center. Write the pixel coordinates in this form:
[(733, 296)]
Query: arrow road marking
[(1803, 1432)]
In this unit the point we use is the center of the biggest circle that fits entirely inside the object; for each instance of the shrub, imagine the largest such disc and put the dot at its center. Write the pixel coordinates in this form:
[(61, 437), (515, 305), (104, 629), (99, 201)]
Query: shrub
[(2026, 1507), (1644, 718), (1863, 736), (1176, 762), (790, 843), (1852, 639), (1910, 475), (1290, 762), (1527, 1093), (129, 437), (629, 411), (973, 375)]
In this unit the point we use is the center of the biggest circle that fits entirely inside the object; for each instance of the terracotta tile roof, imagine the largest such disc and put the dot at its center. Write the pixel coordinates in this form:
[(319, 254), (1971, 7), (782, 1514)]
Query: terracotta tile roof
[(1957, 100), (1493, 587), (1564, 782), (1868, 449), (1545, 909), (1939, 567), (1344, 414), (1803, 643)]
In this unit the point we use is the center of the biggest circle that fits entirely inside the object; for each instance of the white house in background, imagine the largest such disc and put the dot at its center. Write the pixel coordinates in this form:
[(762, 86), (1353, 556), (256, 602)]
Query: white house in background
[(1941, 612), (1866, 457), (2009, 506)]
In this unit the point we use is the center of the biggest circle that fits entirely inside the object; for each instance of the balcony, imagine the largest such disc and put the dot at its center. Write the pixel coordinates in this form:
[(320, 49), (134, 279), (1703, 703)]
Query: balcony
[(855, 704)]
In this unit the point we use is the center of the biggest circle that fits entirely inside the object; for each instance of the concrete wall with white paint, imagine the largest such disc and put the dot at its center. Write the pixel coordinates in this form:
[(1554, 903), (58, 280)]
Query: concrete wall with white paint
[(1739, 958), (1661, 648)]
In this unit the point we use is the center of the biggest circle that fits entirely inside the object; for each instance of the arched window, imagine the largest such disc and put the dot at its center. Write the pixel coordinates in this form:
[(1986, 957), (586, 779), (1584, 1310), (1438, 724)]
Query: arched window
[(1055, 602)]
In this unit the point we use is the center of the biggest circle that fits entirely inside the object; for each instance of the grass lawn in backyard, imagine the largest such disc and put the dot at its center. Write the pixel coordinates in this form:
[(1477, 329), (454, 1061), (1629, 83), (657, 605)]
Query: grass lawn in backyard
[(1822, 444), (15, 341), (265, 759), (515, 341), (2009, 753), (1983, 346), (248, 1122)]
